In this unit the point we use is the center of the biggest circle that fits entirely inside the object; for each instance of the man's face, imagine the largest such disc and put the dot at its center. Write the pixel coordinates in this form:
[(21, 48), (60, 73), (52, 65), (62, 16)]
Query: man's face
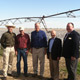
[(22, 32), (69, 27), (37, 27), (10, 29), (53, 34)]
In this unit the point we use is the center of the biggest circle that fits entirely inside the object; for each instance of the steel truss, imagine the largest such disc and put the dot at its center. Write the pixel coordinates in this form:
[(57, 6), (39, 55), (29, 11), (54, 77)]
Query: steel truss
[(36, 19)]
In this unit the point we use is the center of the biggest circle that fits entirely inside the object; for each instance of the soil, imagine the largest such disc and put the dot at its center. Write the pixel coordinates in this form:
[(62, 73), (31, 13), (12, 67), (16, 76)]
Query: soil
[(62, 75)]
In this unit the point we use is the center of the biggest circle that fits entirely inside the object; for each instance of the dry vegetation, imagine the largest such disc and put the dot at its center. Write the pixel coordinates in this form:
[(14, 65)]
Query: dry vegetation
[(63, 72)]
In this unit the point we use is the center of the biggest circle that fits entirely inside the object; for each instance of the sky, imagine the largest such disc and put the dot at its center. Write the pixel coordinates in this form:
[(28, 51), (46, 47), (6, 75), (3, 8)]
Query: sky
[(38, 8)]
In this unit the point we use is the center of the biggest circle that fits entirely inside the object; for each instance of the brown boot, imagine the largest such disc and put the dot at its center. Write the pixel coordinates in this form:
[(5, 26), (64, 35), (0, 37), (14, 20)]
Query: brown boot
[(4, 78)]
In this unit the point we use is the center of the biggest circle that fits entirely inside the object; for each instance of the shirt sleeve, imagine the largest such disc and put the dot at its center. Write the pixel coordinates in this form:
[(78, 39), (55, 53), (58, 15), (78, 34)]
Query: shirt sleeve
[(3, 38), (31, 40), (75, 44), (28, 44), (59, 48), (16, 43), (45, 40)]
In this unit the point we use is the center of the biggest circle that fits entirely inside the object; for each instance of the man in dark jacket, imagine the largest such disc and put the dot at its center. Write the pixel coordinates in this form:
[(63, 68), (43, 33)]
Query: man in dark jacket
[(71, 51), (54, 54)]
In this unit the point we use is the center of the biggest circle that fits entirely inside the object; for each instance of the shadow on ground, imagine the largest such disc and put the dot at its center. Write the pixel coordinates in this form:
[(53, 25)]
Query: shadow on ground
[(22, 77)]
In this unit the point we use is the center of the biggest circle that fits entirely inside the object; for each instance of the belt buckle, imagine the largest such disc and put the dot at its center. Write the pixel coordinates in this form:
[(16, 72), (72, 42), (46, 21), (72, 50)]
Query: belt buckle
[(37, 47), (21, 48)]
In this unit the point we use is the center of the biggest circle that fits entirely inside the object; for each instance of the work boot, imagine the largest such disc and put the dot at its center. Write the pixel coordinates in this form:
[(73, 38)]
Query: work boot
[(4, 78)]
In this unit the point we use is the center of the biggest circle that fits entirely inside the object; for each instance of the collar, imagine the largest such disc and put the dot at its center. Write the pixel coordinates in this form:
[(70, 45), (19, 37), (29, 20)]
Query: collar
[(9, 32), (70, 32), (38, 31), (22, 35), (53, 38)]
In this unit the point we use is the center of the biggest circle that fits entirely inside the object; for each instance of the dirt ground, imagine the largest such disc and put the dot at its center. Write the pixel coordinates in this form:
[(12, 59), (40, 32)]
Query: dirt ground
[(63, 72)]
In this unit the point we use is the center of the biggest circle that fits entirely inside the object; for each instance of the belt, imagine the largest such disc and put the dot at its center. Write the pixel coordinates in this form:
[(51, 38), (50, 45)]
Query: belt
[(37, 47), (9, 46), (22, 48)]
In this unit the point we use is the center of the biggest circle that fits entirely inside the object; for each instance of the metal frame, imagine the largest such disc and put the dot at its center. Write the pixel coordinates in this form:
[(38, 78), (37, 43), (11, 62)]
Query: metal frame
[(36, 19)]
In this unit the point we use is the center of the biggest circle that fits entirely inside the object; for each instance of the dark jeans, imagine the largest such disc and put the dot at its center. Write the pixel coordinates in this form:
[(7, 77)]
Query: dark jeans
[(72, 68), (21, 52)]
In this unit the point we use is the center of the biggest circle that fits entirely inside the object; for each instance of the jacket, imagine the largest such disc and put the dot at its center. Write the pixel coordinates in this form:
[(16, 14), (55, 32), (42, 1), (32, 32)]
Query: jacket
[(56, 49), (71, 45)]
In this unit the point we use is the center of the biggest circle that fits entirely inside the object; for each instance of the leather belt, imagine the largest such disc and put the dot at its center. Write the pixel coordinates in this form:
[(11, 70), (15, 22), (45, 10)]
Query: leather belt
[(22, 48), (9, 46), (37, 47)]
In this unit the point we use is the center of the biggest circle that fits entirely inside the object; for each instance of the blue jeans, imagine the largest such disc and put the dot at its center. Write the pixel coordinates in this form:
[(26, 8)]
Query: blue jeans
[(21, 52)]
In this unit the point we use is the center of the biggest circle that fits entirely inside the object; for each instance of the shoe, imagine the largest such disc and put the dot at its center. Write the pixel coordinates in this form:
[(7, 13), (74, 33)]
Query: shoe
[(9, 74), (65, 79), (4, 78), (34, 75), (26, 75), (50, 79), (40, 77), (17, 75)]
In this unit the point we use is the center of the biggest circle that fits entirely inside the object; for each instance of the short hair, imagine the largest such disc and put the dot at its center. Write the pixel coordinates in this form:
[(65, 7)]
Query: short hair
[(71, 23), (53, 31), (37, 23)]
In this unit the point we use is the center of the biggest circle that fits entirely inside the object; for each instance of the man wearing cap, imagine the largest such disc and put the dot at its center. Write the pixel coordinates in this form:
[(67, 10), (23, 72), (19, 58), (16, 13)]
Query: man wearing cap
[(22, 48), (38, 49), (8, 42)]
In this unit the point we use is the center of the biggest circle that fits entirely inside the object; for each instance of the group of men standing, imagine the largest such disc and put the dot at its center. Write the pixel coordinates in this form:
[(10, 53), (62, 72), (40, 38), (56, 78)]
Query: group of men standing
[(21, 44)]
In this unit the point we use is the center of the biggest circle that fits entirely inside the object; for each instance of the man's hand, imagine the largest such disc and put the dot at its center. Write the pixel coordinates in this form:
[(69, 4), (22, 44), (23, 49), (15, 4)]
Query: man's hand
[(73, 58), (16, 53), (31, 50), (58, 58), (45, 51), (27, 51)]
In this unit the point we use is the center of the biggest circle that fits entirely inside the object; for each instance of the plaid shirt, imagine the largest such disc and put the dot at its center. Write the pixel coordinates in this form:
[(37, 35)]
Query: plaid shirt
[(22, 41)]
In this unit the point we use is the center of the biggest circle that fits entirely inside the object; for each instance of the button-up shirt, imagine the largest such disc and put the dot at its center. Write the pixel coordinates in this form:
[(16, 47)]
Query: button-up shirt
[(51, 43), (38, 39), (8, 39), (22, 41)]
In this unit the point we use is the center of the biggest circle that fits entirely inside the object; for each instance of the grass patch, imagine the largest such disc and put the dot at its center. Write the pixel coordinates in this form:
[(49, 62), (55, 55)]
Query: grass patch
[(78, 68), (1, 51)]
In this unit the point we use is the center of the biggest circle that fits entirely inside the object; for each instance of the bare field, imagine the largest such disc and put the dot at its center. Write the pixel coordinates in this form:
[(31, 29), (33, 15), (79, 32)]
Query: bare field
[(63, 72)]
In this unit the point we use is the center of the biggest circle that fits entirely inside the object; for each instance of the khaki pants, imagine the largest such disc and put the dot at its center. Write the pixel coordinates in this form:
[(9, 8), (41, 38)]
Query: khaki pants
[(54, 68), (8, 54), (38, 54)]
